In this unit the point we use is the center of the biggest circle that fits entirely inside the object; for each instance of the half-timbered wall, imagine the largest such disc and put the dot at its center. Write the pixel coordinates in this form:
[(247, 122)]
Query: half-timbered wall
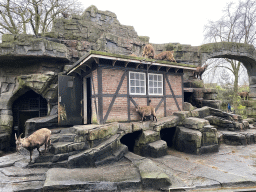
[(111, 100)]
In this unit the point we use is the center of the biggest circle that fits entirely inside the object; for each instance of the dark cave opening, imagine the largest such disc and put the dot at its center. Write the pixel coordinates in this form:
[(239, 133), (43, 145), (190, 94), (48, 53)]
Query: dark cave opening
[(167, 135), (129, 139)]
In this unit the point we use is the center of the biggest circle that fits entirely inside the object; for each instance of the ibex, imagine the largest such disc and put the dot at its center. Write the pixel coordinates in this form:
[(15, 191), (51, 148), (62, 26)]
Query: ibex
[(166, 55), (199, 71), (146, 111), (35, 140), (244, 95), (148, 51)]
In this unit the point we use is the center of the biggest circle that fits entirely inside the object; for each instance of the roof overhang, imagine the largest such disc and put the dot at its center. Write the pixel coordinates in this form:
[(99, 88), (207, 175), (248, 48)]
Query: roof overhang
[(93, 57)]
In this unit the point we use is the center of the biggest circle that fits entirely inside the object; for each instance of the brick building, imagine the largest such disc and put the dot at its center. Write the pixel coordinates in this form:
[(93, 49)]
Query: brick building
[(108, 87)]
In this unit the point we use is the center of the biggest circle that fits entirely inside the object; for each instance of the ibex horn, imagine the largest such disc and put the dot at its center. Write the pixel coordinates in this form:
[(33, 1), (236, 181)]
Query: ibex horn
[(20, 136)]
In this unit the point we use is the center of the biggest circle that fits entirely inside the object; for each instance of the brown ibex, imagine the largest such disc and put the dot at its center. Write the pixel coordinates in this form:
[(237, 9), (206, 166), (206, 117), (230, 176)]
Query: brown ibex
[(35, 140), (166, 55), (146, 111), (148, 51), (199, 71), (244, 95)]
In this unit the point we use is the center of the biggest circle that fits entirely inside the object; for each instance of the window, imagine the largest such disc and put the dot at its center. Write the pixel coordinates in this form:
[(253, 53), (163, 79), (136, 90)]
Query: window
[(137, 83), (155, 84)]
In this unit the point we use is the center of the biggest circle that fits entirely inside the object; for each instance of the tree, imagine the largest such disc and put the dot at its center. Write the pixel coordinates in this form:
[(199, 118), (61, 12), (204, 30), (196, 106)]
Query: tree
[(33, 16), (238, 24)]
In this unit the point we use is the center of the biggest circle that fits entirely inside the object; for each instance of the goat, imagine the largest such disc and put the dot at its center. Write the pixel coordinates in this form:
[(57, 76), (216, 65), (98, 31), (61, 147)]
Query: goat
[(148, 51), (199, 71), (146, 111), (35, 140), (244, 95), (166, 55)]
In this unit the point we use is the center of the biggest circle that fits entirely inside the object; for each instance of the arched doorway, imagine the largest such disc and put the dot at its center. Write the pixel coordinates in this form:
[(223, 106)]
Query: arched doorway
[(27, 106)]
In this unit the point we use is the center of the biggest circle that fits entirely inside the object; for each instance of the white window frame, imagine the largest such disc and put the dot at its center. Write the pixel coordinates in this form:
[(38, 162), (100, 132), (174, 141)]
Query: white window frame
[(135, 86), (155, 84)]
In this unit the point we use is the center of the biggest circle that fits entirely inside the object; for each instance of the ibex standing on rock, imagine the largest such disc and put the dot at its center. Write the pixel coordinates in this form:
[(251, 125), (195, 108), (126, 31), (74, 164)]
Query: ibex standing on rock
[(35, 140), (199, 71), (146, 111)]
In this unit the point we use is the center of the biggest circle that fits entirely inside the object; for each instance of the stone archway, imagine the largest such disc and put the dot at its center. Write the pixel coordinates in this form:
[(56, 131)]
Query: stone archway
[(27, 106), (244, 53)]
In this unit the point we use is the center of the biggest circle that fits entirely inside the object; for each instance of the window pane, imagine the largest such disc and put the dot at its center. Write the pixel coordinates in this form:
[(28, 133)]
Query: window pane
[(155, 84), (155, 77), (132, 89), (132, 82), (150, 90), (155, 90), (142, 83), (142, 90), (137, 90), (137, 83), (159, 84), (141, 76), (137, 76), (150, 83), (150, 77), (131, 75), (160, 78), (160, 91)]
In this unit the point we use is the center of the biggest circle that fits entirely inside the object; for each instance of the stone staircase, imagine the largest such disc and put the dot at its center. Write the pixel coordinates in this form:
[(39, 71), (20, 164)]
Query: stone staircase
[(83, 146)]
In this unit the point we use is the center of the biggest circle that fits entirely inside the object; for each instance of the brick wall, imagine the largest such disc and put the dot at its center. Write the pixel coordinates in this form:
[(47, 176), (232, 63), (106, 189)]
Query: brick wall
[(119, 111)]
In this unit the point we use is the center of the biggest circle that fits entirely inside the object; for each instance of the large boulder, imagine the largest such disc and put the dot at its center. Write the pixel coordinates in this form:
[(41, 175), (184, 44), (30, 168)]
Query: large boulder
[(141, 144), (157, 148), (187, 140), (209, 135), (201, 112)]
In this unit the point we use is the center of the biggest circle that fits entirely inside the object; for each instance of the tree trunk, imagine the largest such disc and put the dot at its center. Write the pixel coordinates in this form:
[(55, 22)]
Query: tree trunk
[(235, 102)]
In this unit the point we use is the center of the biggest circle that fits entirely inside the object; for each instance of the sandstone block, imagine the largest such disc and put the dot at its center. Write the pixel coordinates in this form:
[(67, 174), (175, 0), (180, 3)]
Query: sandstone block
[(188, 140), (165, 122), (182, 114), (195, 123), (188, 106), (201, 112), (146, 137), (209, 135), (233, 138), (157, 148), (103, 131)]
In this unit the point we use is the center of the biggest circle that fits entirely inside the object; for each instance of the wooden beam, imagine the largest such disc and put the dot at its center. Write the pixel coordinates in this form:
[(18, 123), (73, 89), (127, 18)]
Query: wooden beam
[(137, 66), (78, 71), (126, 63), (113, 62), (96, 60), (83, 69), (176, 70), (158, 67), (89, 65), (148, 66), (167, 69)]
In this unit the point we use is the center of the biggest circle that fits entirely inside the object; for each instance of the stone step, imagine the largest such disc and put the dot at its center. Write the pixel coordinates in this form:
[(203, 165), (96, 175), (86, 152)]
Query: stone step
[(147, 136), (61, 164), (44, 158), (116, 156), (195, 123), (89, 157), (68, 137), (66, 147)]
